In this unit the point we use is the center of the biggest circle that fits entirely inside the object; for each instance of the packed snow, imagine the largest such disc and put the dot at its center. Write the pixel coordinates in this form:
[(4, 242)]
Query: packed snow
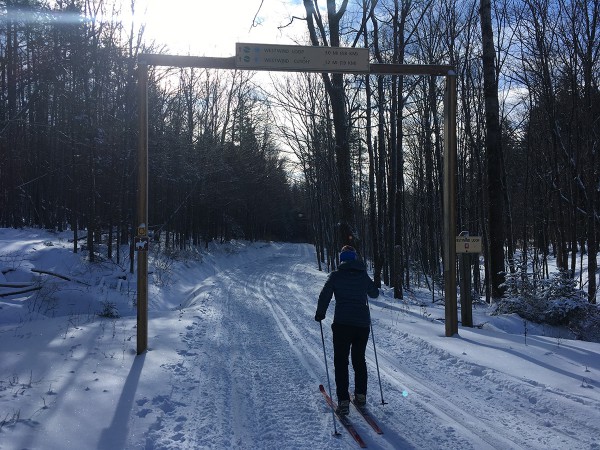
[(235, 359)]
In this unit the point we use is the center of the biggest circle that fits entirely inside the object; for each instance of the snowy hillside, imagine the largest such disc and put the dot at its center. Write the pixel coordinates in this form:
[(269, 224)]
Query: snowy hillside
[(235, 360)]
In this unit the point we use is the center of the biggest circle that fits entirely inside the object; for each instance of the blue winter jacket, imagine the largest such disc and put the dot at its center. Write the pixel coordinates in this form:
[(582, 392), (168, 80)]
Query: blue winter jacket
[(350, 284)]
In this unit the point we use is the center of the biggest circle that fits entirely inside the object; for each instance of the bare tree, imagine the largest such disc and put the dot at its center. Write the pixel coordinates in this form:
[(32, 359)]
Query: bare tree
[(334, 85), (494, 158)]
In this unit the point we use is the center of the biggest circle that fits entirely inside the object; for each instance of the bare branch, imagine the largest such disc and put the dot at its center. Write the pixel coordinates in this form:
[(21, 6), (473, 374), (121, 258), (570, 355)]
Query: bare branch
[(254, 24), (23, 291), (54, 274)]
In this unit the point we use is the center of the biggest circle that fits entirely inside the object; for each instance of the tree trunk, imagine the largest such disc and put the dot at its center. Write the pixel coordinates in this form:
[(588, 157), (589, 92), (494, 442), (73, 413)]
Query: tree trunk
[(493, 155), (334, 84), (373, 227)]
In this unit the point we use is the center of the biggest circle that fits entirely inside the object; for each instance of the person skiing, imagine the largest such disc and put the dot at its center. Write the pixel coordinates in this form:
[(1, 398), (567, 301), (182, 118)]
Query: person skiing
[(350, 284)]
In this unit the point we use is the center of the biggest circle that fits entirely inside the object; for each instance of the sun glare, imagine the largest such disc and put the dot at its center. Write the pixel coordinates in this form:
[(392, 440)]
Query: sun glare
[(211, 28), (196, 27)]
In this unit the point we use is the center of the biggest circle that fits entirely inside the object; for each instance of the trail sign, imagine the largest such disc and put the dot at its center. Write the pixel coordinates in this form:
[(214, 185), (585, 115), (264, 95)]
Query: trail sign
[(141, 243), (301, 58), (468, 244)]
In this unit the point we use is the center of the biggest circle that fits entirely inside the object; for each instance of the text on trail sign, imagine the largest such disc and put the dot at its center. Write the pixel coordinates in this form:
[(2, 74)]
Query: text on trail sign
[(468, 244), (301, 58)]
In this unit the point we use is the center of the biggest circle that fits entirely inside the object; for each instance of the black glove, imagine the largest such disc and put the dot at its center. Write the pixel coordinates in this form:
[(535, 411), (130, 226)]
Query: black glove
[(319, 317)]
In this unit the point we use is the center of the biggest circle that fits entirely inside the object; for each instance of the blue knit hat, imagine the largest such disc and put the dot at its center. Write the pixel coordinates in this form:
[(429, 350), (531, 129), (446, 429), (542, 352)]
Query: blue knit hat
[(347, 254)]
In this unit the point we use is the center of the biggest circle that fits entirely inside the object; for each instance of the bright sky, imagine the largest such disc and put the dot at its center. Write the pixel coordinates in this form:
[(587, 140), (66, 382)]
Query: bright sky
[(212, 27)]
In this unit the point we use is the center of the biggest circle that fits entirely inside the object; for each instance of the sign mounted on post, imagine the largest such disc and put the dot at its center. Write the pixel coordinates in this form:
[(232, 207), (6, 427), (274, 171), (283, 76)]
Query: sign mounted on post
[(301, 58), (141, 243), (468, 244)]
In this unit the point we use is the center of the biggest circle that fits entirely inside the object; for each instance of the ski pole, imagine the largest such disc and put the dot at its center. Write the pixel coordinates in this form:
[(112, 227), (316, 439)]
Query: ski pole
[(383, 402), (335, 431)]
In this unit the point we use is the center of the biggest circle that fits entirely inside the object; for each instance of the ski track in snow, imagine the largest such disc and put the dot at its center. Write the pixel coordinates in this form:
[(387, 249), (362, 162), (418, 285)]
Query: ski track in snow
[(252, 360), (441, 393)]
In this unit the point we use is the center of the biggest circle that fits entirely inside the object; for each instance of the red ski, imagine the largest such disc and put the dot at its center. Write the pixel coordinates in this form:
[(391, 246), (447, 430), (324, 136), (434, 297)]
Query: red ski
[(343, 419), (368, 417)]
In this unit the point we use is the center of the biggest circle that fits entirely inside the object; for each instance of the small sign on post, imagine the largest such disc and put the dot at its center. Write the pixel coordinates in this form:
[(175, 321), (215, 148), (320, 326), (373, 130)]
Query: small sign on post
[(141, 243), (468, 244)]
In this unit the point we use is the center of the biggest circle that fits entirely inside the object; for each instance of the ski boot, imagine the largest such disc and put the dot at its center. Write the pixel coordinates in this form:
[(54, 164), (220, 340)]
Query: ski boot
[(360, 399), (343, 408)]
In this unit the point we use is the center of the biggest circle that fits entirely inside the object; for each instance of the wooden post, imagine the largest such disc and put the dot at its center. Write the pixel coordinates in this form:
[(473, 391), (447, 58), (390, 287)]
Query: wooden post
[(466, 299), (142, 213), (451, 313)]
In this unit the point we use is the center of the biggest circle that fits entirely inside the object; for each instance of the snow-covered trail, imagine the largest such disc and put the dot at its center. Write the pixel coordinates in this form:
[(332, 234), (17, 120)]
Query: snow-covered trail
[(251, 360), (248, 370)]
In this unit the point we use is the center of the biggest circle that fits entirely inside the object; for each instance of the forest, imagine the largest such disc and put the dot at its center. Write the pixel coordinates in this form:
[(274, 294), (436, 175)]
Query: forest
[(318, 157)]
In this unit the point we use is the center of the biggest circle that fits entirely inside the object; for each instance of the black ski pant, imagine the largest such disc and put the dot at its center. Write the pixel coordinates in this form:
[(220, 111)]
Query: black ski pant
[(349, 340)]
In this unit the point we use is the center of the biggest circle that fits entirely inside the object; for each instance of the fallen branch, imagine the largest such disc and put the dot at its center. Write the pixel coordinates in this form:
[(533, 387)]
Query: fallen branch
[(23, 291), (46, 272), (16, 284)]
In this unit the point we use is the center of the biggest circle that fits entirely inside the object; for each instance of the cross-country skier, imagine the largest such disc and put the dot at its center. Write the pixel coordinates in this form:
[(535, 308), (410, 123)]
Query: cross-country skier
[(350, 284)]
